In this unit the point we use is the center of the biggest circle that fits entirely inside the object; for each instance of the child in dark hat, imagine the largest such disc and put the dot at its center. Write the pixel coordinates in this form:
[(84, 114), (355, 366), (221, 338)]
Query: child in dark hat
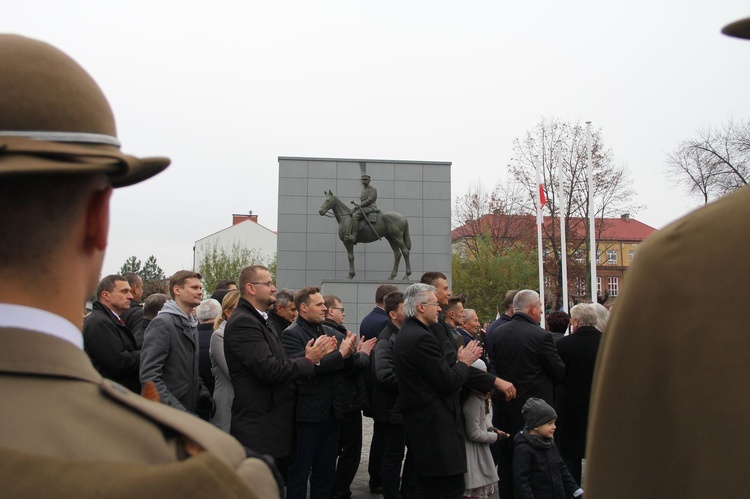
[(538, 470)]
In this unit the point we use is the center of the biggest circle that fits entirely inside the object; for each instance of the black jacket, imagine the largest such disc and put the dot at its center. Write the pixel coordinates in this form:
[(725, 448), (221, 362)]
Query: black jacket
[(526, 356), (540, 473), (277, 322), (385, 405), (351, 390), (489, 340), (317, 398), (204, 357), (428, 392), (111, 347), (478, 380), (263, 380), (578, 351), (133, 318)]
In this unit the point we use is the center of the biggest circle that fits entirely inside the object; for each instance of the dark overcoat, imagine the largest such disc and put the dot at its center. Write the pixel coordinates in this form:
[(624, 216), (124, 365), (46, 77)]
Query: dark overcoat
[(428, 393), (111, 347), (315, 397), (578, 352), (385, 405), (526, 356), (263, 380)]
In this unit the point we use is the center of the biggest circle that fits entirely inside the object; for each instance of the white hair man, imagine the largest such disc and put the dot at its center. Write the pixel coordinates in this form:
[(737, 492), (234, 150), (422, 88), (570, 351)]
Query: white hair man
[(578, 351), (207, 312), (428, 393), (525, 353)]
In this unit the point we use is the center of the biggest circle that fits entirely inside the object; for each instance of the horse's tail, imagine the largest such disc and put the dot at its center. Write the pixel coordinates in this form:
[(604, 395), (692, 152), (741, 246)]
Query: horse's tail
[(407, 238)]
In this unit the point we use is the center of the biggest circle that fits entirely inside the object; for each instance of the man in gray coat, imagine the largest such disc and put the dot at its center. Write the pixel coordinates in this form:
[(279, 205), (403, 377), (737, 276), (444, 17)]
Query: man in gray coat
[(170, 351)]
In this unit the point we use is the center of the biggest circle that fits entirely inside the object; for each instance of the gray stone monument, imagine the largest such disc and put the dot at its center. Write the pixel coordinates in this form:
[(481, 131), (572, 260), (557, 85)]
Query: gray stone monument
[(310, 251)]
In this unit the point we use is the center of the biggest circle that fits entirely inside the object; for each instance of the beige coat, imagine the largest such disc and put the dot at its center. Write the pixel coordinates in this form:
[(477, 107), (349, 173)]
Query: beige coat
[(67, 432), (671, 393)]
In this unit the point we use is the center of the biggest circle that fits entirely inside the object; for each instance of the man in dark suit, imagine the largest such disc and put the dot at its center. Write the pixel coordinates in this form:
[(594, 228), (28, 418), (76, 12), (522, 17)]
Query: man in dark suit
[(428, 392), (353, 398), (107, 340), (478, 380), (370, 327), (319, 410), (524, 354), (578, 352), (262, 375), (133, 316), (386, 410), (283, 312), (489, 342), (70, 432)]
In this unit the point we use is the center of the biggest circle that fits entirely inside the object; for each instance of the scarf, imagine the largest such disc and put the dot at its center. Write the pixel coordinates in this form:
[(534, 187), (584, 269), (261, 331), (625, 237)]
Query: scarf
[(537, 441)]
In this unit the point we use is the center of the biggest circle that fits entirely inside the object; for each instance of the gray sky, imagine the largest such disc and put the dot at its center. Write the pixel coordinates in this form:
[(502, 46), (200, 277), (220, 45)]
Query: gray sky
[(225, 87)]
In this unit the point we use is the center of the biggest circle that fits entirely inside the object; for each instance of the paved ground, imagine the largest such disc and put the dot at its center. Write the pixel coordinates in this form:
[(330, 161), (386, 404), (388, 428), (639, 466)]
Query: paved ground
[(360, 486)]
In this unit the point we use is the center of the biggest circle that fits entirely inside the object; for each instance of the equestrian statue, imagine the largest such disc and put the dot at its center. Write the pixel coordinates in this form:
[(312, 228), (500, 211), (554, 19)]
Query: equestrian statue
[(365, 224)]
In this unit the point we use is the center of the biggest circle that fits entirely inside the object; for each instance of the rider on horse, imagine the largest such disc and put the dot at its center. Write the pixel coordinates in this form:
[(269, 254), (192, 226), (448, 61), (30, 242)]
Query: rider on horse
[(366, 206)]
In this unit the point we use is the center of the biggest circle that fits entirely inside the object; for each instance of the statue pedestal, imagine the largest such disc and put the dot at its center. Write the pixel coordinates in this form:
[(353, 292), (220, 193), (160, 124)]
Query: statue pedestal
[(358, 297)]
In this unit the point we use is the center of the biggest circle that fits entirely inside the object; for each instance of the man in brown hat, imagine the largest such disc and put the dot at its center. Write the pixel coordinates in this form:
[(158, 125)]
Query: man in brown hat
[(67, 431), (671, 385)]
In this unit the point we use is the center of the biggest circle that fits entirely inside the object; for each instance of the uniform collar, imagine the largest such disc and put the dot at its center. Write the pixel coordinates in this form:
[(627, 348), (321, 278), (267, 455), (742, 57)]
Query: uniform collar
[(41, 321)]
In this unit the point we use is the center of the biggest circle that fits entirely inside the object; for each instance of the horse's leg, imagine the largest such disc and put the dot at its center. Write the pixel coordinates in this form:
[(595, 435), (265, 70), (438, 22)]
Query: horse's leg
[(396, 256), (405, 252), (350, 254)]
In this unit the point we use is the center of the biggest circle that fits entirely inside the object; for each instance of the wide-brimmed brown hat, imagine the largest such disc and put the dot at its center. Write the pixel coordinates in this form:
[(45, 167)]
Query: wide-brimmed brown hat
[(54, 118), (738, 29)]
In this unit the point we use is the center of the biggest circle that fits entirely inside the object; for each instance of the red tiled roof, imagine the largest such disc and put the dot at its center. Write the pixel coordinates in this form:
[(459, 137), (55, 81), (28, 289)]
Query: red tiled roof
[(615, 229)]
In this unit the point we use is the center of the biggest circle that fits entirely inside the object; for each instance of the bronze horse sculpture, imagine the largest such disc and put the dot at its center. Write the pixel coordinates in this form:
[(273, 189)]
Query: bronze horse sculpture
[(394, 227)]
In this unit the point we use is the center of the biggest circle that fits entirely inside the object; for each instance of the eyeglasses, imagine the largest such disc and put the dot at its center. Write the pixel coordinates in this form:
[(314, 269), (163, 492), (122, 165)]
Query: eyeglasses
[(432, 303), (338, 308), (269, 283)]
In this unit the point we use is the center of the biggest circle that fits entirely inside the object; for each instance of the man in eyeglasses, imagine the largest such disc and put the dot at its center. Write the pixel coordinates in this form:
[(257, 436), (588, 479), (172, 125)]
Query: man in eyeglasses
[(353, 400), (262, 374), (428, 393)]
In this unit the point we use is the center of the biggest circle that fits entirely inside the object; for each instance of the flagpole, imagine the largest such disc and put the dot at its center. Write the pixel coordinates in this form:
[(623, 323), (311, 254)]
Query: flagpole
[(592, 235), (541, 200), (563, 244)]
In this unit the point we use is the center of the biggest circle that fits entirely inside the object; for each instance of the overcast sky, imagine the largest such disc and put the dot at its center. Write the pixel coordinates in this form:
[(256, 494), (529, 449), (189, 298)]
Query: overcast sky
[(225, 87)]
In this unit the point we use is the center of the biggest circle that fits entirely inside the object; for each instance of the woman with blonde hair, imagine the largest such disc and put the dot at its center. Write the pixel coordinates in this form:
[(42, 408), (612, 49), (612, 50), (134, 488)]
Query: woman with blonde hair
[(223, 391)]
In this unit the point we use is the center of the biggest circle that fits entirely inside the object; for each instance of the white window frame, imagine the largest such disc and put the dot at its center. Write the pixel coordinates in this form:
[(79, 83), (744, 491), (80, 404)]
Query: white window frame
[(612, 256), (613, 284)]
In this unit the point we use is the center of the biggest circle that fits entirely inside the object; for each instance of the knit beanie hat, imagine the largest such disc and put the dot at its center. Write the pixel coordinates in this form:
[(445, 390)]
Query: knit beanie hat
[(536, 412)]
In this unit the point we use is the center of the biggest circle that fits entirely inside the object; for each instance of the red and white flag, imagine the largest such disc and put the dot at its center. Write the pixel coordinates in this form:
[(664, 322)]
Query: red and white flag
[(542, 197)]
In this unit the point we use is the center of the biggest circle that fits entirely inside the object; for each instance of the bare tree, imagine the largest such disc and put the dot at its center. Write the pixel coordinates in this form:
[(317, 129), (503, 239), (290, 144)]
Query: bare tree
[(481, 214), (714, 163), (612, 190)]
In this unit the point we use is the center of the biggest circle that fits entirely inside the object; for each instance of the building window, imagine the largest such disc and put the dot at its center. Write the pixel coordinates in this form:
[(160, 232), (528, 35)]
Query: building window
[(614, 285), (547, 253), (632, 256), (580, 286), (599, 286), (547, 282), (612, 257), (578, 256)]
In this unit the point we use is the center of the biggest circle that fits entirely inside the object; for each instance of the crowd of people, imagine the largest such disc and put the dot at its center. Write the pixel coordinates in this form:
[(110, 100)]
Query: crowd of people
[(279, 371), (457, 412)]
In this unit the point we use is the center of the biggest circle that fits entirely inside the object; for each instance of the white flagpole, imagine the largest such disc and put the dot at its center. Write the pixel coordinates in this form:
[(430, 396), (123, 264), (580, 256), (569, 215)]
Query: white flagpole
[(563, 245), (592, 235), (540, 251)]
